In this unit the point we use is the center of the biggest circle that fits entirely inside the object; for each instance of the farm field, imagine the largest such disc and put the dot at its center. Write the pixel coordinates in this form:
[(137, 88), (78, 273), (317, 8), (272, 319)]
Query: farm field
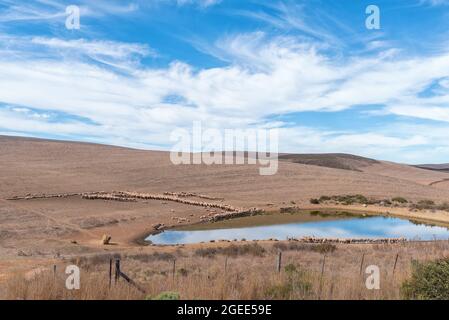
[(58, 199)]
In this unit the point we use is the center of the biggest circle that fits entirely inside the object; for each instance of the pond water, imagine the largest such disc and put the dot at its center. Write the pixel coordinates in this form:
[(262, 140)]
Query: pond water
[(371, 227)]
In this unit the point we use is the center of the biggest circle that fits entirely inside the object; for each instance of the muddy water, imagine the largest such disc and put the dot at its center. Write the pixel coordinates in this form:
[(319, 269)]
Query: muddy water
[(317, 224)]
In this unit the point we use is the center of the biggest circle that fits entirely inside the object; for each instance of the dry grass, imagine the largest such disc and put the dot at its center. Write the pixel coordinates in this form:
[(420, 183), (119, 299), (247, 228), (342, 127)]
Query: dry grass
[(47, 286), (242, 275)]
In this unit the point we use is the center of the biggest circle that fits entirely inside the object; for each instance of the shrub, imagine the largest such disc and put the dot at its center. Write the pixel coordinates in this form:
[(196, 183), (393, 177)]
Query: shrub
[(291, 246), (444, 206), (424, 204), (183, 272), (319, 213), (429, 281), (289, 210), (324, 248), (399, 200), (294, 285), (358, 198), (351, 199), (298, 246), (324, 198), (314, 201), (153, 257), (165, 296), (233, 251)]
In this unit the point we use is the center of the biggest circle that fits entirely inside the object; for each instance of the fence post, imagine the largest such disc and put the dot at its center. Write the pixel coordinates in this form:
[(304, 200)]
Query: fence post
[(54, 270), (279, 261), (226, 265), (174, 269), (361, 263), (395, 263), (110, 273), (117, 270), (321, 276)]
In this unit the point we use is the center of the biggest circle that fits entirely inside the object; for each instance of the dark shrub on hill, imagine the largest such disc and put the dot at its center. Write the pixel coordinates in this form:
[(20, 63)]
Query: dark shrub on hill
[(399, 200), (424, 204)]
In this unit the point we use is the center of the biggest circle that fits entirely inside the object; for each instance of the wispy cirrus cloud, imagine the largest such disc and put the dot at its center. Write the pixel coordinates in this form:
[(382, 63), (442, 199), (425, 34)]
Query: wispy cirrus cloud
[(121, 55), (200, 3), (300, 78), (50, 10), (105, 90), (434, 2)]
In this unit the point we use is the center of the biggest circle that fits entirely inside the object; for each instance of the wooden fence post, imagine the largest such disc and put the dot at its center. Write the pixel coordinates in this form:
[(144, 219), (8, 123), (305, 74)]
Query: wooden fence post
[(279, 261), (110, 273), (361, 263), (117, 270), (395, 263), (119, 273), (226, 265), (174, 269), (321, 276)]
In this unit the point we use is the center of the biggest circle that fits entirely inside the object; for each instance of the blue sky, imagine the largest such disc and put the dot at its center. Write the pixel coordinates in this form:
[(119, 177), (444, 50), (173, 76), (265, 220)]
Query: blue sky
[(137, 70)]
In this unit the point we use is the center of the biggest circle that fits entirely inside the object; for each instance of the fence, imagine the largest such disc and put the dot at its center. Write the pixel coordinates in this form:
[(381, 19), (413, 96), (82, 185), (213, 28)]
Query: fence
[(120, 274)]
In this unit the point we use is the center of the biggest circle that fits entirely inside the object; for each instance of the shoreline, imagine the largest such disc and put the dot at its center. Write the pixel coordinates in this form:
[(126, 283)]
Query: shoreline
[(140, 239)]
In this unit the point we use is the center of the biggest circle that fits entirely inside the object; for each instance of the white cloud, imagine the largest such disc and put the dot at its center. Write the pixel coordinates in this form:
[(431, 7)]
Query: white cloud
[(115, 54), (434, 3), (266, 76), (200, 3), (50, 10)]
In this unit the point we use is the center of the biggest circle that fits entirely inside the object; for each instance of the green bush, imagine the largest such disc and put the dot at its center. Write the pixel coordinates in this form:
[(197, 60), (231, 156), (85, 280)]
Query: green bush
[(165, 296), (399, 200), (424, 204), (429, 281), (351, 199), (444, 206)]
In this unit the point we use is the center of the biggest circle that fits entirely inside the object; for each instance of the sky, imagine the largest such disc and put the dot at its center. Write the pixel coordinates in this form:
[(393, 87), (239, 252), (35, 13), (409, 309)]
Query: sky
[(137, 70)]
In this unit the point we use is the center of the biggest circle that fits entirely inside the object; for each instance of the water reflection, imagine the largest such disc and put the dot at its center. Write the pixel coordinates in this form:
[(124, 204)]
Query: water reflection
[(373, 227)]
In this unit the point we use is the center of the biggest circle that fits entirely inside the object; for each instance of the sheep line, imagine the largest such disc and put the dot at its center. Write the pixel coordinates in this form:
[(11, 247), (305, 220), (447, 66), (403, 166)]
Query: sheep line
[(230, 212), (148, 196), (44, 196), (349, 241), (189, 194)]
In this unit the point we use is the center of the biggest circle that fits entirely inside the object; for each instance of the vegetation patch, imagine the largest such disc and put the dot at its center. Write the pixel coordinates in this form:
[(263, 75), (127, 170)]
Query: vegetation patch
[(429, 281), (153, 257), (95, 260), (292, 246), (393, 202), (165, 296), (289, 210), (295, 285), (347, 214), (399, 200), (324, 248), (253, 249), (342, 199), (424, 205)]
